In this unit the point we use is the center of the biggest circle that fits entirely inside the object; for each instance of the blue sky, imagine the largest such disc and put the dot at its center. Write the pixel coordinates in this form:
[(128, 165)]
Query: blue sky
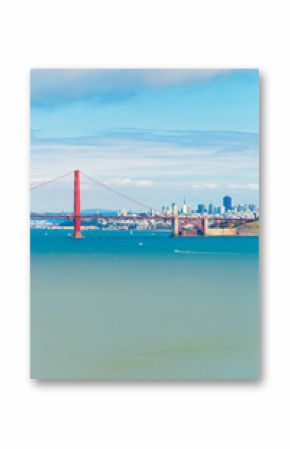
[(157, 135)]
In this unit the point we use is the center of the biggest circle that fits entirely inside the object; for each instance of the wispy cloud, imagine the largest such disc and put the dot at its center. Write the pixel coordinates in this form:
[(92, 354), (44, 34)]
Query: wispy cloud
[(130, 139), (159, 153), (249, 186), (231, 187), (52, 88), (204, 186), (138, 183), (160, 164)]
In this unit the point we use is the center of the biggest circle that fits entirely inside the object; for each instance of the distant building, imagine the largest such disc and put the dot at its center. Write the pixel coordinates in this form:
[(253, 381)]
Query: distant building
[(174, 209), (201, 208), (252, 207), (210, 209), (185, 208), (242, 208), (227, 202), (220, 210)]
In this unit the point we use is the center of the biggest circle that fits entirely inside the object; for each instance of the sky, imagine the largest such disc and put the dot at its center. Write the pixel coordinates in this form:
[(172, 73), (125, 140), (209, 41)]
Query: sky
[(158, 135)]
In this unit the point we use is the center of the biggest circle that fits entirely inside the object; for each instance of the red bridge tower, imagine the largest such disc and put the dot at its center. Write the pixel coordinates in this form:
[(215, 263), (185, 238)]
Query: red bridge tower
[(77, 205)]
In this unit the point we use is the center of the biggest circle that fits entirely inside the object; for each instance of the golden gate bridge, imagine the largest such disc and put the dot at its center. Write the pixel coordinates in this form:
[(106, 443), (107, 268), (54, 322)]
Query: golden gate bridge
[(222, 226)]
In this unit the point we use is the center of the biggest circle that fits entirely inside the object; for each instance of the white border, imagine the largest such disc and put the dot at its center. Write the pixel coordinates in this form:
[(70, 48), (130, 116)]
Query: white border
[(154, 34)]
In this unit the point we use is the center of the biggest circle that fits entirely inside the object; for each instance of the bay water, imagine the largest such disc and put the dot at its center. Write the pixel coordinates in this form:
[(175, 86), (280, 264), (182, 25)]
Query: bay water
[(140, 305)]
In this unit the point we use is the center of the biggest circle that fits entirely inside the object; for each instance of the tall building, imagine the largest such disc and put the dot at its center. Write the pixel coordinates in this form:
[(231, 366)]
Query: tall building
[(210, 209), (174, 209), (242, 208), (201, 208), (227, 202), (185, 208)]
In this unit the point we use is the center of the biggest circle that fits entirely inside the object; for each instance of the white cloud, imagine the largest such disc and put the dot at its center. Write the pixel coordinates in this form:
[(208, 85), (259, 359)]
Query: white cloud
[(208, 186), (249, 186), (120, 182), (143, 183), (55, 86), (86, 187), (252, 186), (211, 186), (160, 170), (35, 180), (168, 77), (139, 183)]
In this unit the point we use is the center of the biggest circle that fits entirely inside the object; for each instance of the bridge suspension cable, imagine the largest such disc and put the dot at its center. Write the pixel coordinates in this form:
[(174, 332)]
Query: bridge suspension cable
[(97, 182), (111, 189), (50, 181)]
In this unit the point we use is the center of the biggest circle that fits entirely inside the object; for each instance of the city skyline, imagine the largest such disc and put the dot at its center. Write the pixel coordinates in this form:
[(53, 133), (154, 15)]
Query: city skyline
[(157, 135), (210, 207)]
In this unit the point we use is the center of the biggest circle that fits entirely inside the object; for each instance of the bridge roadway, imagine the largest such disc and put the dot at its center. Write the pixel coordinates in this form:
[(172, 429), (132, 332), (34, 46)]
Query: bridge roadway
[(138, 217)]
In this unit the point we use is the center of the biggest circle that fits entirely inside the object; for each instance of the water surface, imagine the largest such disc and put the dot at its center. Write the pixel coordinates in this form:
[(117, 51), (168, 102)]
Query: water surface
[(116, 305)]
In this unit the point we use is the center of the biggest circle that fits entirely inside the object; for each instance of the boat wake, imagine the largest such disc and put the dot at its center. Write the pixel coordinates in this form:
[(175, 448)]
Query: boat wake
[(180, 251)]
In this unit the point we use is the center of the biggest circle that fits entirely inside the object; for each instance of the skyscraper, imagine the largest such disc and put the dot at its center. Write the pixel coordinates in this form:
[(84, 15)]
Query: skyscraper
[(174, 209), (185, 208), (227, 202), (201, 208)]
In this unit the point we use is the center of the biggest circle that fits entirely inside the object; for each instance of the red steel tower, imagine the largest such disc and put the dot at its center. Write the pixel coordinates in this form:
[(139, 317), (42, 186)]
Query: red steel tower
[(77, 205)]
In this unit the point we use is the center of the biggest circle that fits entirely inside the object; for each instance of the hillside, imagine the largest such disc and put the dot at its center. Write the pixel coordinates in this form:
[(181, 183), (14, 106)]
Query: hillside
[(249, 229)]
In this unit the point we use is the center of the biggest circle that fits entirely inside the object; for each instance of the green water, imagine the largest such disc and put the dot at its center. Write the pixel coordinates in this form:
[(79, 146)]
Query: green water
[(116, 305)]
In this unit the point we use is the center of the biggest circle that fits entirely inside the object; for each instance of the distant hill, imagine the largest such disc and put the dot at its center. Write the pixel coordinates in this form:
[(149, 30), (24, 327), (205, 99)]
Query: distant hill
[(249, 229)]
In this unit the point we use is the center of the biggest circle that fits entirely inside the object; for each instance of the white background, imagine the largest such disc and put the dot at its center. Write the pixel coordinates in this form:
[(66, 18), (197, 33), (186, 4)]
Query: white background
[(215, 34)]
